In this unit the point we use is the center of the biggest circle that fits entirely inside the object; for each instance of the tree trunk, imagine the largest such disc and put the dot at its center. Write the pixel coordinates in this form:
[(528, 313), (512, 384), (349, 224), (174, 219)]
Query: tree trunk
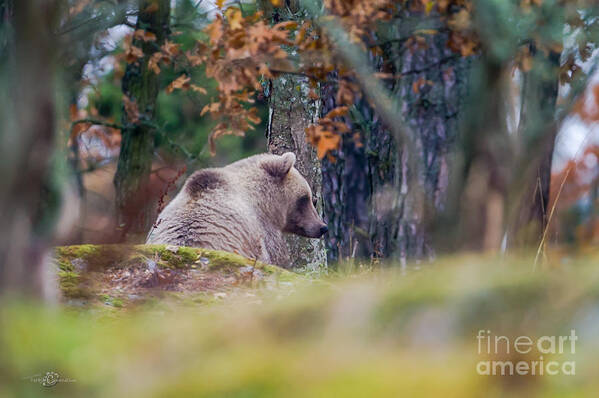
[(346, 191), (538, 131), (291, 111), (135, 208), (483, 178), (28, 120), (394, 207)]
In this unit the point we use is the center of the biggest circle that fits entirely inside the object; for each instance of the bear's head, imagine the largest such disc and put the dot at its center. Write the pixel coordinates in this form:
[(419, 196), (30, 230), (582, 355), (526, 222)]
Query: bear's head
[(294, 195)]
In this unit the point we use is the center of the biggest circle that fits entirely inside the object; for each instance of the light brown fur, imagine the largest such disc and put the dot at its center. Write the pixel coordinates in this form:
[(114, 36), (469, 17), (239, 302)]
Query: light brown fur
[(244, 207)]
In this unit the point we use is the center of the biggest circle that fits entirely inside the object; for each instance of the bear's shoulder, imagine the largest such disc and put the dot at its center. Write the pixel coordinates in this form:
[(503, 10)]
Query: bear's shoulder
[(205, 180)]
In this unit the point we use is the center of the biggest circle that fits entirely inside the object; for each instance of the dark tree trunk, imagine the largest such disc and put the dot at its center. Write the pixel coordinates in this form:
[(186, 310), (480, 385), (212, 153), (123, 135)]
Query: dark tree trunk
[(376, 203), (431, 90), (346, 191), (135, 207), (28, 120)]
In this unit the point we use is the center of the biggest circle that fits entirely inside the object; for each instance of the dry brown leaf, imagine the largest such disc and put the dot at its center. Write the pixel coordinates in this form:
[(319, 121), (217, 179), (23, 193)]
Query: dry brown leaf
[(182, 83), (337, 112)]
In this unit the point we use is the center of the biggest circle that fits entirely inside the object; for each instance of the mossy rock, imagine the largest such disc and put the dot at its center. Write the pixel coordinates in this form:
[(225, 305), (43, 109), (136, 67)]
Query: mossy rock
[(121, 275)]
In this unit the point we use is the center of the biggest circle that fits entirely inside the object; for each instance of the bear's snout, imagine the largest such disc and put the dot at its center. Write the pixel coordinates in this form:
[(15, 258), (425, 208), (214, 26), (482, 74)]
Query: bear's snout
[(317, 231)]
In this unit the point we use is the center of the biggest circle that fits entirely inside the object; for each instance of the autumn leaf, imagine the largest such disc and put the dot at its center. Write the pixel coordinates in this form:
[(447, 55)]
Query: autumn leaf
[(337, 112), (170, 49), (182, 83), (460, 21), (153, 62), (144, 35), (323, 140), (328, 142), (428, 6), (234, 17), (132, 53), (419, 84), (220, 4), (289, 25), (212, 108), (215, 30), (384, 76), (198, 89)]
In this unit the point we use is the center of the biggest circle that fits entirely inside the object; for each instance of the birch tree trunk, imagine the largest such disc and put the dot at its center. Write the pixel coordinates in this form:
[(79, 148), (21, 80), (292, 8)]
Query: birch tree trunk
[(135, 207), (291, 111)]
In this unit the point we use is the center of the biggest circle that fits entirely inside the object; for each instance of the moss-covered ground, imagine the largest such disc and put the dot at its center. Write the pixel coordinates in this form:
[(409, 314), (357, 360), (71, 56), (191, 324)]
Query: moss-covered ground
[(134, 275), (363, 333)]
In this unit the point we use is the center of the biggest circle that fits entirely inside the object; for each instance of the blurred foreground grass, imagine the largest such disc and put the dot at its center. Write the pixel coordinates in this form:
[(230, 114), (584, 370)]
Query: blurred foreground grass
[(357, 334)]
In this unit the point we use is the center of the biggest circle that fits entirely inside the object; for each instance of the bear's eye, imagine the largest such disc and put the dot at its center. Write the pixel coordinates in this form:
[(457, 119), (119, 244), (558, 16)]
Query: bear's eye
[(303, 201)]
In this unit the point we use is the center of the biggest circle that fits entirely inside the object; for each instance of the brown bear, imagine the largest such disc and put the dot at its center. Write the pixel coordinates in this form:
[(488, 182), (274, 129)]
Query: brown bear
[(244, 208)]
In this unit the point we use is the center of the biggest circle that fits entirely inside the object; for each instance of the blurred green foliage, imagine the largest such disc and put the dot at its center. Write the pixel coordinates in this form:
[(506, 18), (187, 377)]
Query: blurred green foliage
[(360, 334), (178, 113)]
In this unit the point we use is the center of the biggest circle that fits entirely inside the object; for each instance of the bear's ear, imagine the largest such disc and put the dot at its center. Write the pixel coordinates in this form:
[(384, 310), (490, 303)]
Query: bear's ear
[(280, 165)]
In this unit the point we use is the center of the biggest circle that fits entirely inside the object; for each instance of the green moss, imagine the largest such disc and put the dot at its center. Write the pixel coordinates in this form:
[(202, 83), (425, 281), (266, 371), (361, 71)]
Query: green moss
[(80, 251), (65, 265), (112, 301), (184, 256), (220, 259), (97, 257), (70, 285), (136, 259), (98, 260)]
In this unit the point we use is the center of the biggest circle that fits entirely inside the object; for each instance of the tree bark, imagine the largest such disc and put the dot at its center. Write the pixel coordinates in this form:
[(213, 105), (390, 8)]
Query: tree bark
[(390, 214), (538, 131), (28, 120), (346, 191), (136, 209), (291, 111)]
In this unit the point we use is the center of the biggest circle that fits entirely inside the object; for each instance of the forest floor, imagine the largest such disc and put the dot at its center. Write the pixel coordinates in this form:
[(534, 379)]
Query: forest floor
[(161, 321)]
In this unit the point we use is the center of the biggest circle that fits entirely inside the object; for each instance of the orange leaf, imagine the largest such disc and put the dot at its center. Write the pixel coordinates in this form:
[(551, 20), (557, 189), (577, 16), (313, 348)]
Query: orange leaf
[(198, 89), (234, 17), (337, 112), (328, 142), (212, 108), (144, 35), (182, 82), (289, 25), (153, 62)]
